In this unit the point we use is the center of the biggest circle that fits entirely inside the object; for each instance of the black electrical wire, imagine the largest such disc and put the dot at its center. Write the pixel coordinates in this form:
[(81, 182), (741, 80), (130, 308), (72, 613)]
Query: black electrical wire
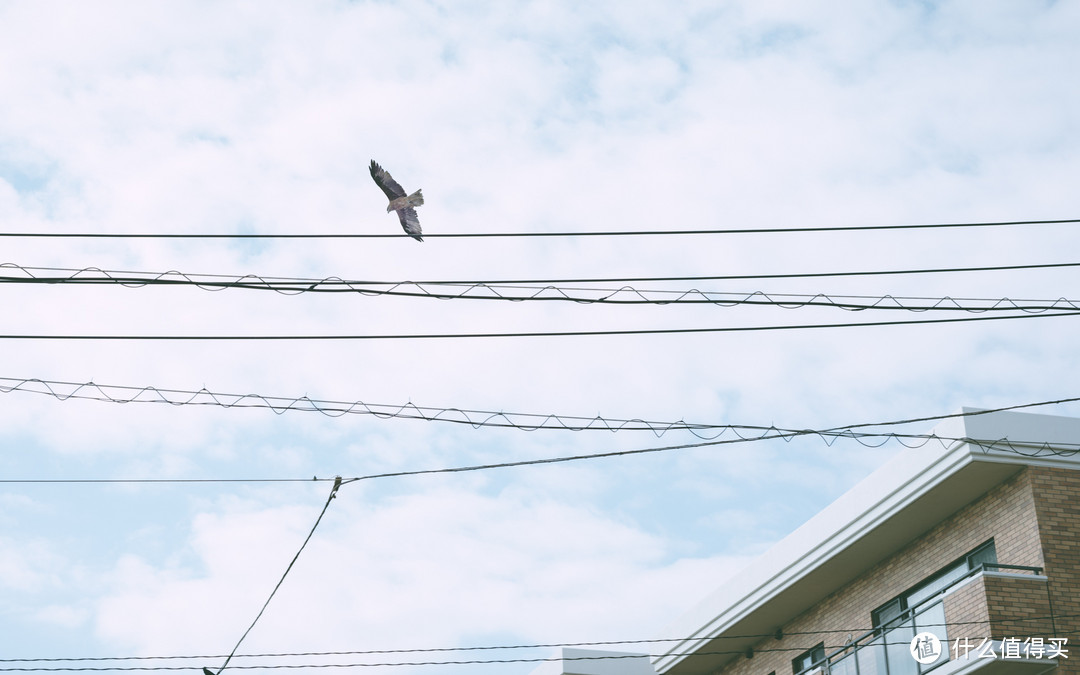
[(151, 481), (1023, 448), (513, 647), (471, 417), (461, 662), (613, 233), (526, 334), (333, 493), (280, 405), (625, 295), (390, 664), (829, 436), (1004, 444), (85, 275)]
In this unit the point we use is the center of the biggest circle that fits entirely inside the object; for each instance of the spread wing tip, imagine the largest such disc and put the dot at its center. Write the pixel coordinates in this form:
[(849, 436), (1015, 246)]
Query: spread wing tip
[(410, 223)]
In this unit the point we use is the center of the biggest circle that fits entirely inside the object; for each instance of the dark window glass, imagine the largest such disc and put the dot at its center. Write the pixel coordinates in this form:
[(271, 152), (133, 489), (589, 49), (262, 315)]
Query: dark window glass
[(985, 554), (808, 659), (888, 612)]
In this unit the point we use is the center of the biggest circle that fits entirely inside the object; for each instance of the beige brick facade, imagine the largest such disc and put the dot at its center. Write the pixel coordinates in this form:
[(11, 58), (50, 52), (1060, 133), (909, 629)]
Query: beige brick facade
[(1057, 504), (1033, 518)]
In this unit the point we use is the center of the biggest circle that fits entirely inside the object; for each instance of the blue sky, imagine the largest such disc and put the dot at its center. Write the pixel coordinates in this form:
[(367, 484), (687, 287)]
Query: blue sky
[(234, 117)]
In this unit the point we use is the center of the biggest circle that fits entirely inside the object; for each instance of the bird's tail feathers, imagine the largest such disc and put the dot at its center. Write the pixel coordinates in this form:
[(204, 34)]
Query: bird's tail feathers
[(416, 199)]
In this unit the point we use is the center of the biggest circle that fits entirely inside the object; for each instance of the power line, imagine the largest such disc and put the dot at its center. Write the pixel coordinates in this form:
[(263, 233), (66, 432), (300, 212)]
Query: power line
[(455, 662), (390, 664), (828, 436), (333, 493), (527, 334), (95, 275), (1025, 448), (612, 233), (280, 405), (151, 481), (513, 647), (125, 394), (625, 295)]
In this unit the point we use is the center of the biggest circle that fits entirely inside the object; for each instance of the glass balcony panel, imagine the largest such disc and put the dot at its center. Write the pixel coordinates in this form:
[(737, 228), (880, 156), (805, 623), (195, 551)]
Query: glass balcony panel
[(898, 650), (843, 665), (890, 653), (932, 620), (871, 658)]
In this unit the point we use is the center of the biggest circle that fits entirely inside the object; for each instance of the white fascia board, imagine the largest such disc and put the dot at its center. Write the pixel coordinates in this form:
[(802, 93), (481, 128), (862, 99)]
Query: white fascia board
[(880, 496)]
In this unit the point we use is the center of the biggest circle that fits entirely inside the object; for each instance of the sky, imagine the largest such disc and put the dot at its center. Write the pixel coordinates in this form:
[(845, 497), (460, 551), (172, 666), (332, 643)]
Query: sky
[(245, 118)]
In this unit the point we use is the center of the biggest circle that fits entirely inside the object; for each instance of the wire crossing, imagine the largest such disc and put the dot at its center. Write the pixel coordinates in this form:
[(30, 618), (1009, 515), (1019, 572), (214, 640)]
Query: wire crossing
[(126, 394), (333, 493), (520, 292), (1024, 448)]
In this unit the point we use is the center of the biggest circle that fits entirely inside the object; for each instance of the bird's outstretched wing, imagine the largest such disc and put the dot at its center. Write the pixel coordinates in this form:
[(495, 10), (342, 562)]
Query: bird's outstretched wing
[(386, 182), (410, 222)]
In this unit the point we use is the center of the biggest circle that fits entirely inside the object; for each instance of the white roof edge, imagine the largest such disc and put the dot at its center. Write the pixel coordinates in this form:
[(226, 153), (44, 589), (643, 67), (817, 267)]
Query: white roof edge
[(576, 661), (894, 485)]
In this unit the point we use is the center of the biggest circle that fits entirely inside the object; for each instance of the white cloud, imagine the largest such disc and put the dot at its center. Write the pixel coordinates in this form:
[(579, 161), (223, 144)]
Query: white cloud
[(420, 569), (224, 117)]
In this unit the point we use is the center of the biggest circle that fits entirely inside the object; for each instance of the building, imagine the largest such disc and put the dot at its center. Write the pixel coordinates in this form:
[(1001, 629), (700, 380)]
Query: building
[(975, 541)]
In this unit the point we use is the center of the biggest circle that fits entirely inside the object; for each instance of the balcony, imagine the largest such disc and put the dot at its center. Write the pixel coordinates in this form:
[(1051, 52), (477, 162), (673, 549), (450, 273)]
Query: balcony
[(977, 611)]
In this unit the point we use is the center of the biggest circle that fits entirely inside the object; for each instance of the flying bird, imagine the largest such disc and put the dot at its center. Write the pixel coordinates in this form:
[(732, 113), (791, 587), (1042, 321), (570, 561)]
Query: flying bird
[(404, 205)]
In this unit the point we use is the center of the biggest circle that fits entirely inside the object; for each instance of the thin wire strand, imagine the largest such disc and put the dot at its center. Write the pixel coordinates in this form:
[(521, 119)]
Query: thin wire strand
[(510, 647), (213, 281), (525, 334), (1023, 448), (460, 662), (613, 233), (474, 418), (97, 275), (828, 436), (625, 295)]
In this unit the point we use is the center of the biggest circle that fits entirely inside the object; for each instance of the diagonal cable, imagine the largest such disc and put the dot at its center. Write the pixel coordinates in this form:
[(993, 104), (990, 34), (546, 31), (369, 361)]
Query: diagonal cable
[(333, 493)]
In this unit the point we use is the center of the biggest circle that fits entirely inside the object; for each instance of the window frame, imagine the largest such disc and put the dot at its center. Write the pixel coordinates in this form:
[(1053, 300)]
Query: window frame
[(806, 662), (962, 566)]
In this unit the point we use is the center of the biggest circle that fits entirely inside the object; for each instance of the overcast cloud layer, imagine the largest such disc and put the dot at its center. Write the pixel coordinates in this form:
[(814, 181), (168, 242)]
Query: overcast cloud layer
[(238, 117)]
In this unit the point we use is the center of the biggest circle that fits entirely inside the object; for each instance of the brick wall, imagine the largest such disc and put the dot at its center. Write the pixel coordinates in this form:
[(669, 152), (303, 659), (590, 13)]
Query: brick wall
[(1018, 606), (1057, 505), (1007, 513), (966, 613)]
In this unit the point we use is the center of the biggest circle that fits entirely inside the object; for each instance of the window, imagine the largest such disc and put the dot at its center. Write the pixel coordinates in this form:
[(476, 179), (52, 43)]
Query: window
[(808, 659), (888, 612), (896, 610)]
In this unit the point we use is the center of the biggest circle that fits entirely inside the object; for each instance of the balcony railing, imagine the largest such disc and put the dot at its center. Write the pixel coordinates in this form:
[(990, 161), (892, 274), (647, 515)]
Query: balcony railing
[(886, 649)]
